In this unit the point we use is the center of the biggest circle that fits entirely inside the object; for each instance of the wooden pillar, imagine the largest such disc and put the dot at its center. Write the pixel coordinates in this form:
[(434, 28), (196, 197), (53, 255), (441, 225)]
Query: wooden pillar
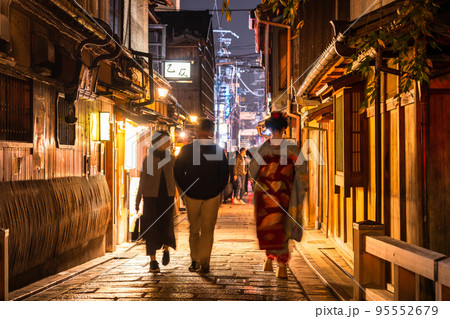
[(443, 283), (110, 171), (378, 136), (368, 269), (442, 292), (4, 280)]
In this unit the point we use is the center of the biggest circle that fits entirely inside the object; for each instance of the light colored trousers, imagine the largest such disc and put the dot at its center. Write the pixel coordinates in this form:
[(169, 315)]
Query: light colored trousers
[(202, 215)]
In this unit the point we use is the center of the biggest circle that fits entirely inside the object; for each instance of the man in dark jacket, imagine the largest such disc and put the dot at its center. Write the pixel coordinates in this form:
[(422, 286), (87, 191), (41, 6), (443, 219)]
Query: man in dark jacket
[(201, 171)]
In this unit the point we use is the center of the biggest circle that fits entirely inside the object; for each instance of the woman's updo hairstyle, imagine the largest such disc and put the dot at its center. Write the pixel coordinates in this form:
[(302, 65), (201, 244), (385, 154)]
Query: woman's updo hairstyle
[(276, 122)]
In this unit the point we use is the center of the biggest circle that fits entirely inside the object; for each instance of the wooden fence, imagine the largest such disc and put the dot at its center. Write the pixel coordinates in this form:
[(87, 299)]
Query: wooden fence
[(4, 278), (47, 218)]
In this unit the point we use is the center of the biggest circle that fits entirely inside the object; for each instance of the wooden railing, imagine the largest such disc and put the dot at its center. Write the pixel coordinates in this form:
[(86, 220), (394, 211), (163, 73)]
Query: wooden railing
[(410, 262), (4, 282)]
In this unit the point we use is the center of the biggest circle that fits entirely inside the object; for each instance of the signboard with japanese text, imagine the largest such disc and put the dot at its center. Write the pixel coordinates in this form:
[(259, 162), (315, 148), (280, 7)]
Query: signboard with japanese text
[(177, 70)]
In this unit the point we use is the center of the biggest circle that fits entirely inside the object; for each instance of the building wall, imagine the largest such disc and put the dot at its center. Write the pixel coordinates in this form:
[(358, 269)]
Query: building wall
[(196, 97), (363, 7), (43, 159), (438, 173), (401, 181), (401, 188), (402, 176), (135, 24), (208, 72), (139, 24), (315, 35), (52, 235), (188, 94), (190, 38)]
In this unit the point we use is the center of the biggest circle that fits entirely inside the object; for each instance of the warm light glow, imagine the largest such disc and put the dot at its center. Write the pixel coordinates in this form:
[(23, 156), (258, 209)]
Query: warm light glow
[(104, 126), (223, 129), (130, 146), (162, 93), (172, 134), (174, 69), (177, 150), (121, 125), (182, 134), (94, 126), (193, 118)]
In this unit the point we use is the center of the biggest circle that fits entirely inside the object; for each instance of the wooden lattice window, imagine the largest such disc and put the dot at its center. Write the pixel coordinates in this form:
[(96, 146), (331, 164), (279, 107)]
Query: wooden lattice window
[(16, 111), (339, 131), (349, 137), (65, 131), (356, 132)]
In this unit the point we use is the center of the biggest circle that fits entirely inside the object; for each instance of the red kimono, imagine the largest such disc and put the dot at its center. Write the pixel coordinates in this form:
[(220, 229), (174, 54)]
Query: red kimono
[(272, 197)]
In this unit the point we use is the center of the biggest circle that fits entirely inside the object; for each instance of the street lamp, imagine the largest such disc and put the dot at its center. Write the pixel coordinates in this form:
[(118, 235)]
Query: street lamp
[(193, 118)]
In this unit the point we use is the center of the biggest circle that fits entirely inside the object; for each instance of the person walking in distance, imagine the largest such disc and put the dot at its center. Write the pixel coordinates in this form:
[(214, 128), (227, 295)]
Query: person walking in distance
[(234, 182), (240, 171), (201, 172), (157, 187)]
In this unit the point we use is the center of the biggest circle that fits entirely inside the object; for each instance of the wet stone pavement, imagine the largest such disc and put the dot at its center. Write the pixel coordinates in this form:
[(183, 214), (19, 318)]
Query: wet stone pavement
[(236, 271)]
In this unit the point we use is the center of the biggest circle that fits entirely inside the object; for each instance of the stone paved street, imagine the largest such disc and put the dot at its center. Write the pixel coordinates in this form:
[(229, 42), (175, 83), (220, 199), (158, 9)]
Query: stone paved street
[(236, 271)]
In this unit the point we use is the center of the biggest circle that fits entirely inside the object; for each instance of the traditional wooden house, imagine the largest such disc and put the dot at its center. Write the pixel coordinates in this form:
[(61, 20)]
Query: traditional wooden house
[(71, 73), (384, 170), (190, 59)]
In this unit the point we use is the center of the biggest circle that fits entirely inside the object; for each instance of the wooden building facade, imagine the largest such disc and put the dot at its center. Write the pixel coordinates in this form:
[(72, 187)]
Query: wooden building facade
[(68, 85), (385, 164), (190, 40)]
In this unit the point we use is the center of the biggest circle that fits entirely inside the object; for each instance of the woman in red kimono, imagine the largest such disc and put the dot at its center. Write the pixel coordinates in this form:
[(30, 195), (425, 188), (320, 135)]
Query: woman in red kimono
[(273, 170)]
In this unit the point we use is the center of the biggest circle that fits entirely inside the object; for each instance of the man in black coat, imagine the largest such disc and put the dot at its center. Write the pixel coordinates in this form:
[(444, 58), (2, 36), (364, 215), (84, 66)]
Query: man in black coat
[(201, 172)]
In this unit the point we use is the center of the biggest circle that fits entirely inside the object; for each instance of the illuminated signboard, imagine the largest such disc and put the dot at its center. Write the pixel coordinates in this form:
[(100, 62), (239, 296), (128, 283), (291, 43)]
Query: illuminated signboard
[(104, 126), (177, 70)]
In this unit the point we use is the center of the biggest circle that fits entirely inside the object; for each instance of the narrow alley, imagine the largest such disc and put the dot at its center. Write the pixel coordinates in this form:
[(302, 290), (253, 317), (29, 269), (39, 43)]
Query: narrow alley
[(331, 114), (236, 271)]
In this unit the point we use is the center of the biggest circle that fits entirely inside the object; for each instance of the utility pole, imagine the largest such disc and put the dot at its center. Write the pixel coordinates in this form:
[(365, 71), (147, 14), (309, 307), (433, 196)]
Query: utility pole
[(225, 82)]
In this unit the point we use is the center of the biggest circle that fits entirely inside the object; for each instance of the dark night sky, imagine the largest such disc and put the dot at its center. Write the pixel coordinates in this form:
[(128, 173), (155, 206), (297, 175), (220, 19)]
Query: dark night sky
[(238, 24)]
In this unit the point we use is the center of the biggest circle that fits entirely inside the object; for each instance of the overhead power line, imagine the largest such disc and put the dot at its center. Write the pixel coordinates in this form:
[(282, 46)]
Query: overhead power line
[(226, 31), (246, 86)]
